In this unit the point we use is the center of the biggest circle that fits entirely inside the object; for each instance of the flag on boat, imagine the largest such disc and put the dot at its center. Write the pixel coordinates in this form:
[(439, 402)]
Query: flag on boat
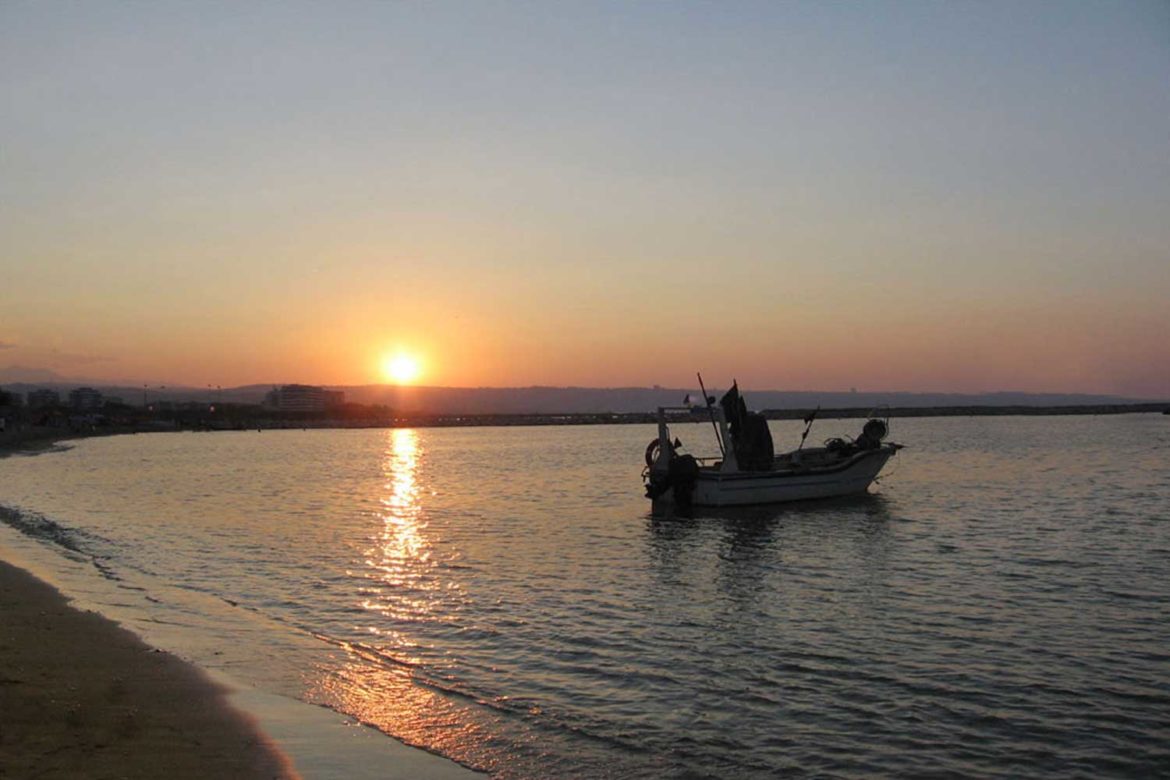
[(733, 405)]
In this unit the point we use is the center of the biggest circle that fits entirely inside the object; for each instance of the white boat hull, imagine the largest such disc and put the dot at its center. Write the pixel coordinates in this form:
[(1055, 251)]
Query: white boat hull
[(715, 488)]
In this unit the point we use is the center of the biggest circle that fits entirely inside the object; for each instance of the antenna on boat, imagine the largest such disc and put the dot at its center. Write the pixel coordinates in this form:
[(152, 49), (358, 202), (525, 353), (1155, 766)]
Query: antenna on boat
[(711, 411), (808, 421)]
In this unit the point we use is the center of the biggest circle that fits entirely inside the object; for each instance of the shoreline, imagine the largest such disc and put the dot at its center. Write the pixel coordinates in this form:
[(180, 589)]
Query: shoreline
[(28, 439), (31, 440), (82, 696)]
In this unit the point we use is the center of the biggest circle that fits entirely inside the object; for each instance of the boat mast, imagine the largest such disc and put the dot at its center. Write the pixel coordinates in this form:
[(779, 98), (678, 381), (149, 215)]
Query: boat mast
[(711, 411)]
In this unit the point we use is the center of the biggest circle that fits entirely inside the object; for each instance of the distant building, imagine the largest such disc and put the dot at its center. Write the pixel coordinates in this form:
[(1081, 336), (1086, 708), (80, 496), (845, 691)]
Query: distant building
[(37, 399), (303, 398), (85, 398)]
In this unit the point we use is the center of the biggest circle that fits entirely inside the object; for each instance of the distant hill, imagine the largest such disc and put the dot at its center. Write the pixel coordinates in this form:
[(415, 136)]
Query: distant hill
[(584, 400), (133, 394), (590, 400)]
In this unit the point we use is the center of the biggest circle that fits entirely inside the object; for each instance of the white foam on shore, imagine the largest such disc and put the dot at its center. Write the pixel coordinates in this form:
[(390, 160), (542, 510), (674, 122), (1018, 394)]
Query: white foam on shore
[(321, 744)]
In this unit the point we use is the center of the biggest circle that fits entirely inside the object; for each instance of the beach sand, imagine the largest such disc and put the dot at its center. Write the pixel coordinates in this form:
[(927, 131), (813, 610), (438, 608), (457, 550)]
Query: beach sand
[(81, 697)]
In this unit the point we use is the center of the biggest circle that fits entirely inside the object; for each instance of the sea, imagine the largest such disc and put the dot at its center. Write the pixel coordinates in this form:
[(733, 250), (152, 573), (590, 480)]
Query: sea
[(998, 605)]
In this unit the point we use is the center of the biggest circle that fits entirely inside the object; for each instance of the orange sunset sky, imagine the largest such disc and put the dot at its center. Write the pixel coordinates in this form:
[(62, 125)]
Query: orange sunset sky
[(917, 196)]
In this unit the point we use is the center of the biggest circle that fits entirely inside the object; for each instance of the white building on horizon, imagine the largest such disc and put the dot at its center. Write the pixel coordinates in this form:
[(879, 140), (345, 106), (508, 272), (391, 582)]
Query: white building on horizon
[(303, 398), (85, 399)]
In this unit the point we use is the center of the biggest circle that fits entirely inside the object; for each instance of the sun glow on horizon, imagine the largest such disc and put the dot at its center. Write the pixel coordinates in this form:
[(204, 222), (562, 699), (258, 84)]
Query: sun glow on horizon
[(401, 368)]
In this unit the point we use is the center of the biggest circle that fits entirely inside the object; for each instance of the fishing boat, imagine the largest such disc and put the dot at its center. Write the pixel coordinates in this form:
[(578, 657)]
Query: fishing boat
[(747, 470)]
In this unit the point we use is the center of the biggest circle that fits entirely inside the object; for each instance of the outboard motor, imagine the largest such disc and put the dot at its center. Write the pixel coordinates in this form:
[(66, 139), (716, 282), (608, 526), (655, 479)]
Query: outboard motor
[(667, 470)]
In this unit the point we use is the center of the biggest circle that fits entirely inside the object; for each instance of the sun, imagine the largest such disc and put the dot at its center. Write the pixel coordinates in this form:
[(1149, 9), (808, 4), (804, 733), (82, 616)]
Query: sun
[(401, 368)]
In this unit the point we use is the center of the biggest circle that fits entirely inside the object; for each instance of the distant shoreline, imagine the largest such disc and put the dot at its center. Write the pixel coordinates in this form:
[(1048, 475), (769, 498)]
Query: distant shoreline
[(699, 413), (29, 439), (33, 438), (973, 411)]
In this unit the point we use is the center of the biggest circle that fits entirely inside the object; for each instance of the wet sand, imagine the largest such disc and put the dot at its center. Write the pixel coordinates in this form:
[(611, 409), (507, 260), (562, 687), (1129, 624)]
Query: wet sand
[(81, 697)]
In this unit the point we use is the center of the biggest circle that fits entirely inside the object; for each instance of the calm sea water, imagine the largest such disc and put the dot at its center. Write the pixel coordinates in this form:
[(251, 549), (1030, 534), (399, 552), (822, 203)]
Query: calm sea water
[(998, 606)]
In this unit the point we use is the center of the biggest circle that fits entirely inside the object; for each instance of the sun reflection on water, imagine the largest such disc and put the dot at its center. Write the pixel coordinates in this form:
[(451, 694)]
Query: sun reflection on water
[(401, 558), (389, 680)]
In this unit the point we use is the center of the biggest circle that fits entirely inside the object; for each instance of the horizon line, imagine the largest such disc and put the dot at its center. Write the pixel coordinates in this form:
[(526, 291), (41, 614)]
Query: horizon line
[(651, 388)]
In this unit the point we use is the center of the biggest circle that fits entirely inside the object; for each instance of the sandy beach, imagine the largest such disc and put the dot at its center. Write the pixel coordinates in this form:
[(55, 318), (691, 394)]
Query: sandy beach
[(81, 697)]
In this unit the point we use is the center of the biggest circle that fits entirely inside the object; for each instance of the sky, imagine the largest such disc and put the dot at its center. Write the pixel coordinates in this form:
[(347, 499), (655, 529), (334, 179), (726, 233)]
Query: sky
[(920, 196)]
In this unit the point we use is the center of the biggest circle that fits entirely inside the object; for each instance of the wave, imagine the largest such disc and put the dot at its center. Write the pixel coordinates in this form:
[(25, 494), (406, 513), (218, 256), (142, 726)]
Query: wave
[(38, 526)]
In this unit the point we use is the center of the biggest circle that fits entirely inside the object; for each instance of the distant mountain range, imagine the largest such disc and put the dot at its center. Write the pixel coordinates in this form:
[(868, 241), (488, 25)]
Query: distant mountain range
[(581, 400), (587, 400)]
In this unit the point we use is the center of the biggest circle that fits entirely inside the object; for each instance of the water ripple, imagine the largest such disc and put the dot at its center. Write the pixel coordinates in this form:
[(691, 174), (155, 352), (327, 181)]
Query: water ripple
[(999, 608)]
